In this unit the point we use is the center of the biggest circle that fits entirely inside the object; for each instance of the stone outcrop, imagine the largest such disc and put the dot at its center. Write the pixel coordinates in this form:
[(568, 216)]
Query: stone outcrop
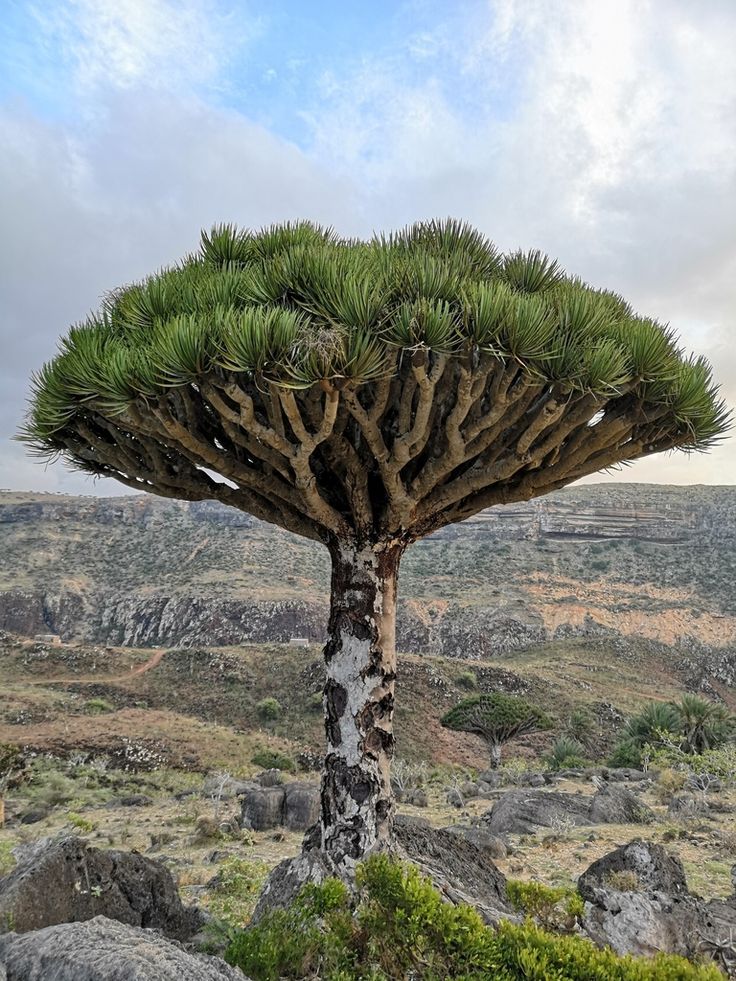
[(295, 805), (101, 949), (637, 902), (65, 880), (523, 812)]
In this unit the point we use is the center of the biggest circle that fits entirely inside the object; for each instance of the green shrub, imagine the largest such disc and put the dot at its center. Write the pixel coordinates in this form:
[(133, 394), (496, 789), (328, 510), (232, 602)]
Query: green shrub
[(555, 907), (314, 703), (566, 753), (467, 680), (398, 926), (269, 709), (271, 759), (80, 822), (579, 725), (98, 706), (626, 752)]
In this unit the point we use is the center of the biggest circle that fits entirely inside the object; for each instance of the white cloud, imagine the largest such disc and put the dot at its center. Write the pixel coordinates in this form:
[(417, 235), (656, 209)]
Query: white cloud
[(600, 130)]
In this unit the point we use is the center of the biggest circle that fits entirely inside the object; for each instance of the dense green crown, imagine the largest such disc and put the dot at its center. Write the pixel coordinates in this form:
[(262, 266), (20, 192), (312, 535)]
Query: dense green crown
[(387, 333), (296, 304), (496, 717)]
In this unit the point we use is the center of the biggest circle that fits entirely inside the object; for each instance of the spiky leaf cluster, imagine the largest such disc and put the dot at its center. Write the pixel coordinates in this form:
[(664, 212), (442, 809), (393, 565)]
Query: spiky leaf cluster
[(413, 340)]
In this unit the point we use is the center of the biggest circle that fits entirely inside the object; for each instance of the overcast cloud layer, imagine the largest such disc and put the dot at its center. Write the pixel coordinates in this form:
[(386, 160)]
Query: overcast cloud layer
[(603, 132)]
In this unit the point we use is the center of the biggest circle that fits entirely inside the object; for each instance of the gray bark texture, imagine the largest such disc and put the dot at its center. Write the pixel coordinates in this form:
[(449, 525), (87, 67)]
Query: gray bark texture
[(360, 659)]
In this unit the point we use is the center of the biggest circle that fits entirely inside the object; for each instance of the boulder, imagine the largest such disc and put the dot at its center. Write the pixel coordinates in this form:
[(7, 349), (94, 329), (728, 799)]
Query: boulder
[(101, 949), (637, 902), (262, 808), (685, 805), (469, 789), (655, 869), (65, 880), (301, 805), (614, 804), (417, 797), (455, 798), (624, 773), (521, 812), (483, 840), (270, 778)]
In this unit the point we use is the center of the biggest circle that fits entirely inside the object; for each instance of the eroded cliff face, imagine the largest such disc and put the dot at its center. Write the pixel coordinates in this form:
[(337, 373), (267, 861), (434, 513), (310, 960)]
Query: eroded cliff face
[(605, 560)]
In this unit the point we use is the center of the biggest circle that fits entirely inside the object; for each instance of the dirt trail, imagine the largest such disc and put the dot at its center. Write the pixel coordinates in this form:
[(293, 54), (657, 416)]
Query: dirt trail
[(94, 679)]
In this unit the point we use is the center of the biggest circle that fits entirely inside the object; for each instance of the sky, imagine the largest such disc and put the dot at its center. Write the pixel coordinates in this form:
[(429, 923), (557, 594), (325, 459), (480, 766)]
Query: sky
[(601, 131)]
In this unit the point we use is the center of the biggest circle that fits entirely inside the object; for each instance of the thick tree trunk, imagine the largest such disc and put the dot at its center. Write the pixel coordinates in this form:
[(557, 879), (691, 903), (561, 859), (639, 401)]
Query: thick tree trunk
[(360, 657), (495, 753)]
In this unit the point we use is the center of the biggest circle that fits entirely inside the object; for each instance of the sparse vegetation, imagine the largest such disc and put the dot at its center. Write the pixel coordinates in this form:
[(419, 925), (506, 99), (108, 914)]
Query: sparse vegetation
[(271, 759), (269, 709), (401, 927)]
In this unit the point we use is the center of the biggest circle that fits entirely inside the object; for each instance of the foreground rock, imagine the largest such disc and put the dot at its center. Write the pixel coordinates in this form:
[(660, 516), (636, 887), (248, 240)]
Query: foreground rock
[(457, 867), (66, 880), (637, 902), (522, 812), (104, 950)]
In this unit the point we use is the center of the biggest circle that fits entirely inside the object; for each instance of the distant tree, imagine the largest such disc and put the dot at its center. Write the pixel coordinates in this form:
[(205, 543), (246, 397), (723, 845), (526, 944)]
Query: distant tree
[(703, 724), (364, 395), (496, 718)]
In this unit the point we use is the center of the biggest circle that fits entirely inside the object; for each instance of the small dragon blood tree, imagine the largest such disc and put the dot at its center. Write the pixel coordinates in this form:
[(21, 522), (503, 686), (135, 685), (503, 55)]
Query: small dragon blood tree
[(365, 394), (496, 718)]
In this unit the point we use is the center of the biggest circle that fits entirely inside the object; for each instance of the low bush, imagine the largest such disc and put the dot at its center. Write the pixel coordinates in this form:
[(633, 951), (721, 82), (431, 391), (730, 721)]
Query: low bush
[(98, 706), (398, 926), (555, 907), (466, 680), (271, 759), (565, 754), (269, 709), (81, 823)]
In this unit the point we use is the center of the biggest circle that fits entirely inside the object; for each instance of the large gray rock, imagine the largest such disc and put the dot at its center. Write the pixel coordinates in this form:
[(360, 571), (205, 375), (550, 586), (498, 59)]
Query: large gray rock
[(65, 880), (104, 950), (301, 805), (262, 808), (484, 841), (637, 902), (521, 812), (615, 804), (653, 867)]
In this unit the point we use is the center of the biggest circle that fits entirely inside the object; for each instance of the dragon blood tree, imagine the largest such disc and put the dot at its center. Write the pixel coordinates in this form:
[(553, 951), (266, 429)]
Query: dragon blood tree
[(496, 718), (364, 395)]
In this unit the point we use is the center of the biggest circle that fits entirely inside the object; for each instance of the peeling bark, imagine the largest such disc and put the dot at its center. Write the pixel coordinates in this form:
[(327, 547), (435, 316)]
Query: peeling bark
[(360, 657)]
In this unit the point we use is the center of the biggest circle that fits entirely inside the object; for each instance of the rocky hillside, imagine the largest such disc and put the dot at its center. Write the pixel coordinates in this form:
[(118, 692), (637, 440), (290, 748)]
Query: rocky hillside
[(623, 560)]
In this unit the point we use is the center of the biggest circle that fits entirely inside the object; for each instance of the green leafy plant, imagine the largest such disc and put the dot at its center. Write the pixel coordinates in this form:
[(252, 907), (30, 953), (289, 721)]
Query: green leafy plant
[(82, 823), (269, 709), (271, 759), (566, 753), (554, 907), (97, 706), (399, 926)]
